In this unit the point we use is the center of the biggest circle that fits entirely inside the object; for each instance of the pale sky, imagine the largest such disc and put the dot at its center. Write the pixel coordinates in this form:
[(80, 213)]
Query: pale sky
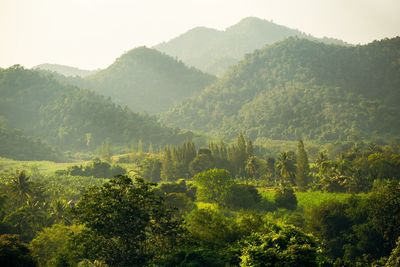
[(90, 34)]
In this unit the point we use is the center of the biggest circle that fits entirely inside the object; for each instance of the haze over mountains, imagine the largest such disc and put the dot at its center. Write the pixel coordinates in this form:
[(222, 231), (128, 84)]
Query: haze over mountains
[(67, 117), (214, 51), (65, 70), (147, 80), (299, 88)]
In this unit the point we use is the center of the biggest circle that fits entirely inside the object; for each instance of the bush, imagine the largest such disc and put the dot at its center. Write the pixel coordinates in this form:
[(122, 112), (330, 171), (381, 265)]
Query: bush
[(286, 198), (242, 196), (280, 246), (180, 202), (97, 168), (213, 185)]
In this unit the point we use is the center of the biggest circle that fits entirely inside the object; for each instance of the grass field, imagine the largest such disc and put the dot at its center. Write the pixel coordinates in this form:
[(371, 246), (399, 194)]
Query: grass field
[(45, 167)]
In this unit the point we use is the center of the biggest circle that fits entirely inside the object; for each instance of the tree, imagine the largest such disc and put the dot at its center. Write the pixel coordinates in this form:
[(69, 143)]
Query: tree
[(151, 169), (302, 167), (394, 258), (127, 222), (280, 246), (286, 198), (285, 167), (384, 206), (105, 151), (21, 186), (213, 185), (13, 252), (202, 162), (167, 166), (51, 242)]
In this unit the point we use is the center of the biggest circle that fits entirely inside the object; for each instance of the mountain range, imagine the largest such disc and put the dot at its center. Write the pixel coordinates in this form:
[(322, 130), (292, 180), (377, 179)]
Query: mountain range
[(214, 51)]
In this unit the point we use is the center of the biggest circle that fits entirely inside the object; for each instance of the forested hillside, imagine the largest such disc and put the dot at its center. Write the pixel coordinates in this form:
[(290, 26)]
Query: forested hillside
[(303, 89), (147, 80), (214, 51), (64, 70), (14, 145), (72, 118)]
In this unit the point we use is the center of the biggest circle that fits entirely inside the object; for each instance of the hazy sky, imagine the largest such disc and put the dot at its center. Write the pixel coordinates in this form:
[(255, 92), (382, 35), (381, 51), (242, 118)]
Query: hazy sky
[(92, 33)]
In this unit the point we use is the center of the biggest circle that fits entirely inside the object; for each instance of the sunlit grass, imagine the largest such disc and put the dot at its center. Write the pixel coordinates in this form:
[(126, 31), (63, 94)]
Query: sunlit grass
[(44, 167)]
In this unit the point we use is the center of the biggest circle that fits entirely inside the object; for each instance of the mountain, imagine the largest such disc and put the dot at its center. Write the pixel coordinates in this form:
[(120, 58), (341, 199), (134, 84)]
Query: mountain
[(147, 80), (71, 118), (299, 88), (214, 51), (65, 70)]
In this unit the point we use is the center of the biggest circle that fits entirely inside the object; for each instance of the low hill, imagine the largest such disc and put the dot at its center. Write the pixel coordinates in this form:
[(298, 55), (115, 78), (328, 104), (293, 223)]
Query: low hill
[(147, 80), (72, 118), (14, 145), (214, 51), (302, 89), (65, 70)]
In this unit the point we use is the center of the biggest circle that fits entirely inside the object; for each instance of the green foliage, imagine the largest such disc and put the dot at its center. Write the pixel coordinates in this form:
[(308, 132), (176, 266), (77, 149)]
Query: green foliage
[(302, 89), (280, 246), (14, 145), (211, 227), (50, 243), (394, 259), (213, 185), (384, 209), (285, 166), (63, 115), (242, 196), (202, 162), (13, 252), (105, 211), (151, 169), (196, 257), (302, 167), (96, 168), (285, 198)]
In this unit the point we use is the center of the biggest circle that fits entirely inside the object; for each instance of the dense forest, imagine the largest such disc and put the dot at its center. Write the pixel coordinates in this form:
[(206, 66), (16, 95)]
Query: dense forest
[(214, 51), (302, 89), (221, 205), (71, 118), (290, 157)]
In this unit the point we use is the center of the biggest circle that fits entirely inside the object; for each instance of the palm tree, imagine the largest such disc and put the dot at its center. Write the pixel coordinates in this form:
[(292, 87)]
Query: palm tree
[(20, 185), (285, 167)]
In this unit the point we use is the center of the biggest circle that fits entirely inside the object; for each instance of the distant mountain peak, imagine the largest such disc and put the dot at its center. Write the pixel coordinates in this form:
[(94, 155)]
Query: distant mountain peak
[(214, 51)]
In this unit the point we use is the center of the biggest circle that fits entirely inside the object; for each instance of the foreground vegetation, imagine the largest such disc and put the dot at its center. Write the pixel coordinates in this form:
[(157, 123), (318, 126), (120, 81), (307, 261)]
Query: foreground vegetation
[(282, 211)]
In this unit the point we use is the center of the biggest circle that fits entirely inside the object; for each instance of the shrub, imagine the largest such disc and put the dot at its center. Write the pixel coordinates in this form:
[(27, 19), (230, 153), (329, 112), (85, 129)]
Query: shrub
[(286, 198), (242, 196)]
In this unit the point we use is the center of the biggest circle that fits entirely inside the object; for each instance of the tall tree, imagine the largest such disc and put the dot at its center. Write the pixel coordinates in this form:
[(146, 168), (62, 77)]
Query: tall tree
[(286, 168), (302, 167)]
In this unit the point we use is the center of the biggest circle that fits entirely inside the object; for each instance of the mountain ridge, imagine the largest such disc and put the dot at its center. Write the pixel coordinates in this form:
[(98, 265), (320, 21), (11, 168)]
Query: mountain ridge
[(213, 51), (296, 88)]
